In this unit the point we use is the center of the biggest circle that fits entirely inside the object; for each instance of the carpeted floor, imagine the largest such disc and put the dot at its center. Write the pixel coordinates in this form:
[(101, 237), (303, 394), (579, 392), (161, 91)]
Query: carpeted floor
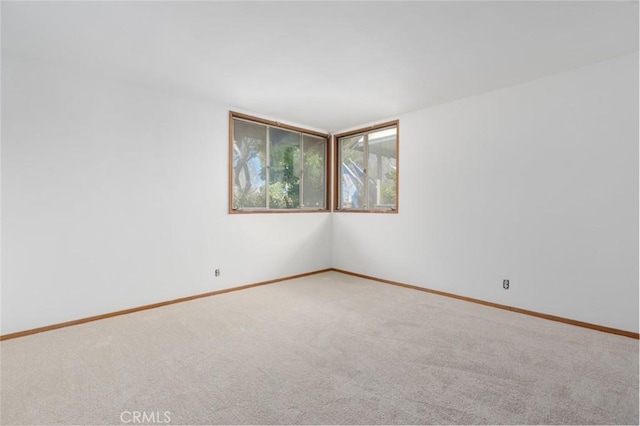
[(324, 349)]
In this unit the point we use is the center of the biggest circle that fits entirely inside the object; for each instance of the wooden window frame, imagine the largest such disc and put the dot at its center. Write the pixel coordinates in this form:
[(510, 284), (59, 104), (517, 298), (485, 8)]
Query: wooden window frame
[(327, 166), (337, 169)]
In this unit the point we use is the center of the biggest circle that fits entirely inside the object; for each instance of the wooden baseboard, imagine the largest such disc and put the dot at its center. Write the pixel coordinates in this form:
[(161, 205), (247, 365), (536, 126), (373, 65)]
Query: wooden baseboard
[(499, 306), (369, 277), (151, 306)]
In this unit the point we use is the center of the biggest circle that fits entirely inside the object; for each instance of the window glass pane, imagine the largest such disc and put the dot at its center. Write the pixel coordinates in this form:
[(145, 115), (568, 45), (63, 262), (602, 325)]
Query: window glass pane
[(313, 183), (249, 161), (276, 167), (382, 168), (352, 164), (367, 170), (284, 169)]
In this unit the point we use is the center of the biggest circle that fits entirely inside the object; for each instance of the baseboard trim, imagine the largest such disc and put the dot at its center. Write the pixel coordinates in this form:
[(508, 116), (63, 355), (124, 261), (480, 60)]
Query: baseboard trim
[(151, 306), (596, 327), (499, 306)]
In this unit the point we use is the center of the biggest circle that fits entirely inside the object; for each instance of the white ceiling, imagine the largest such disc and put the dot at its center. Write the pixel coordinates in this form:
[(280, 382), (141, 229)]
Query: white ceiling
[(329, 65)]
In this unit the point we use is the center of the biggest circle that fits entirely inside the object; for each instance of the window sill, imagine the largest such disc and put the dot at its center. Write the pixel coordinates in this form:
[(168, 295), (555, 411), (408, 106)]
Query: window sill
[(380, 211), (271, 211)]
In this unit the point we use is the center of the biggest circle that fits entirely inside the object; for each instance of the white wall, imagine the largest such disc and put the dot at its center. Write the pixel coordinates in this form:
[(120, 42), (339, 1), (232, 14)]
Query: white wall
[(537, 183), (115, 196)]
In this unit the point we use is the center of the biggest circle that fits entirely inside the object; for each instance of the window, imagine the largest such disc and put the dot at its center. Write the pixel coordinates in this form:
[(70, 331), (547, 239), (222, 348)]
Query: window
[(367, 169), (274, 167)]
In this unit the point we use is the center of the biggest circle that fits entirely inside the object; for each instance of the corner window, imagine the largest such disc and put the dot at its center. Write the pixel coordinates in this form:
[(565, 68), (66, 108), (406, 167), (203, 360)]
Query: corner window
[(367, 169), (275, 167)]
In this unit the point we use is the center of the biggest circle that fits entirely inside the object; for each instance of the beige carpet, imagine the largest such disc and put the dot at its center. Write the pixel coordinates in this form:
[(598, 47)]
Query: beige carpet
[(325, 349)]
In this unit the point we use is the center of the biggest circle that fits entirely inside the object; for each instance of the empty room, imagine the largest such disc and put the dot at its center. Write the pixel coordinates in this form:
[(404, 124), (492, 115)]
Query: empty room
[(312, 212)]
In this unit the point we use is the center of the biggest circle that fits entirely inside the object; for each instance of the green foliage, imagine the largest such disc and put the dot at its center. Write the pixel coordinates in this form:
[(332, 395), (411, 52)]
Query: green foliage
[(388, 193), (255, 198), (388, 190), (314, 177), (281, 171), (391, 174), (284, 190)]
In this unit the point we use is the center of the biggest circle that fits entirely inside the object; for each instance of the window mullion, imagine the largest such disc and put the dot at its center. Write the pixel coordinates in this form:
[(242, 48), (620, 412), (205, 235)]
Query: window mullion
[(338, 175), (301, 180), (365, 183), (267, 178), (326, 160), (378, 179)]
